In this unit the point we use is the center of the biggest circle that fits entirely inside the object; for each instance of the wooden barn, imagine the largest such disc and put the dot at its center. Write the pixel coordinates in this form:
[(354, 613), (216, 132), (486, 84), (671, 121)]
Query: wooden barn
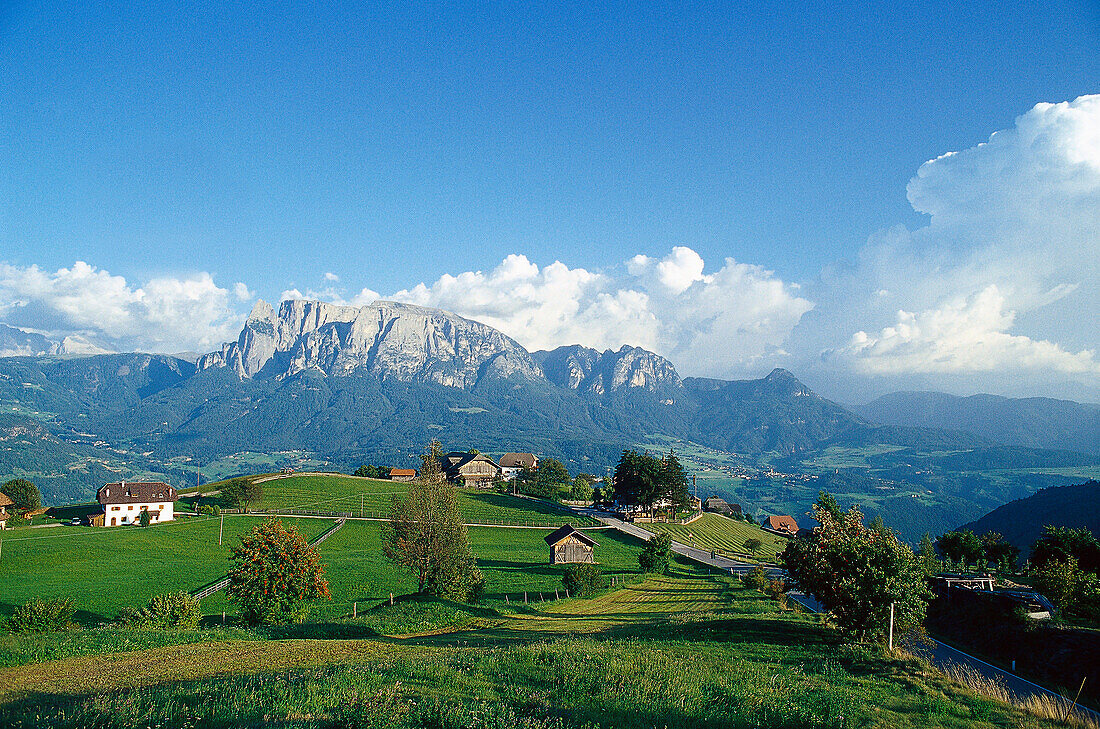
[(569, 545)]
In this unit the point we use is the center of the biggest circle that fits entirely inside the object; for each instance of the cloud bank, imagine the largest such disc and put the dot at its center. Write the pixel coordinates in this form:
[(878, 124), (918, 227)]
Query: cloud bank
[(99, 311)]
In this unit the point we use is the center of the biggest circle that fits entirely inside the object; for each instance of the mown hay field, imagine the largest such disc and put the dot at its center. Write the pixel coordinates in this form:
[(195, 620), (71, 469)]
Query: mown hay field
[(727, 536)]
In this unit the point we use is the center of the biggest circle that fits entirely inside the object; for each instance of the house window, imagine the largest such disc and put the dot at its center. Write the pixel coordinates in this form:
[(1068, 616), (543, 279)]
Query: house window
[(116, 508), (130, 507)]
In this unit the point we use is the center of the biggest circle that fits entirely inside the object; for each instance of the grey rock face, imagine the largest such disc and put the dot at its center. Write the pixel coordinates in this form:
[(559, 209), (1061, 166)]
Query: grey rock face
[(15, 342), (399, 341), (588, 370)]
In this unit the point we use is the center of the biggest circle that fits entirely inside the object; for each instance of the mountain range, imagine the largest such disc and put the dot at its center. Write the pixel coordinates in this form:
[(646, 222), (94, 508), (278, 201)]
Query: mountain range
[(1021, 521), (312, 382)]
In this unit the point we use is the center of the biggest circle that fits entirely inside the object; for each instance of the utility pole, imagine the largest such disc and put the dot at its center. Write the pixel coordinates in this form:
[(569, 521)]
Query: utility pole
[(891, 639), (220, 527)]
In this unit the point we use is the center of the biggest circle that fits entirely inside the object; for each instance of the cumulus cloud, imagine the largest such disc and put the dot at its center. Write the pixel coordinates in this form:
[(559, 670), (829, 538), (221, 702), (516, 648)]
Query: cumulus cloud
[(962, 336), (721, 323), (330, 276), (99, 310), (1003, 279)]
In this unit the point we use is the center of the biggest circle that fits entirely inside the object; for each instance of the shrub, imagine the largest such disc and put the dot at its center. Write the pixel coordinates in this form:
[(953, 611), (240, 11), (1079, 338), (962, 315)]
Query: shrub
[(655, 556), (167, 610), (757, 579), (43, 616), (582, 580)]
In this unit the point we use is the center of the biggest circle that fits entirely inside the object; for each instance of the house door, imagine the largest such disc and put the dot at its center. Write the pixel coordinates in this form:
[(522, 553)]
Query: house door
[(112, 521)]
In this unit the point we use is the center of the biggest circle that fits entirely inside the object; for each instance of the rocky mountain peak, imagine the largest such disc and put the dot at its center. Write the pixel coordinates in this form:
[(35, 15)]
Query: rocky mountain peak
[(600, 373), (392, 340)]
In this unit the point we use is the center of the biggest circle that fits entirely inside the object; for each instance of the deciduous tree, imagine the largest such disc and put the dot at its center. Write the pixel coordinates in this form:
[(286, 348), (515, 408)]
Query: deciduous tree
[(961, 546), (425, 533), (656, 553), (276, 573), (857, 572), (23, 493)]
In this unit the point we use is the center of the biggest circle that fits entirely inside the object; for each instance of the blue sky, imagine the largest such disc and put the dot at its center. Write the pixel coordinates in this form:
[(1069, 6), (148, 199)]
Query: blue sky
[(389, 145)]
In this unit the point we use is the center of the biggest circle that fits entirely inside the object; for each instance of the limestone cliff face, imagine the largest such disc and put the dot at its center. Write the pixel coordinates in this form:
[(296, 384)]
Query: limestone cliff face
[(588, 370), (399, 341)]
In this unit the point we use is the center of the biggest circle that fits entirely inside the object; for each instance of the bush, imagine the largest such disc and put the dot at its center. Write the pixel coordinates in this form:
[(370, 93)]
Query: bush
[(43, 616), (757, 579), (655, 556), (167, 610), (582, 580)]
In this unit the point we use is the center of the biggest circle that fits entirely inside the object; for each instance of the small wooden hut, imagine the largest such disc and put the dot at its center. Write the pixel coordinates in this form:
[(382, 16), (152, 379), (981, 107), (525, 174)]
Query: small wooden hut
[(569, 546)]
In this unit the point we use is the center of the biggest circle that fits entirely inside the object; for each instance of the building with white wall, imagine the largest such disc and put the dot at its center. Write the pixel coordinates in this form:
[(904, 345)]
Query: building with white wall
[(123, 502)]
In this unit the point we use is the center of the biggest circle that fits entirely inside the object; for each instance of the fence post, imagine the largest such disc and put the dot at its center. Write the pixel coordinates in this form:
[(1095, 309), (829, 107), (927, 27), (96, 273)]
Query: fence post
[(567, 592), (223, 617), (525, 597), (556, 594), (391, 599), (355, 609), (506, 601)]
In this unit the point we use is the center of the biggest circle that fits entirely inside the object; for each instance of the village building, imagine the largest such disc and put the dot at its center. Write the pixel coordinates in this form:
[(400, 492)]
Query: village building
[(470, 469), (782, 524), (5, 502), (720, 506), (570, 546), (512, 463), (402, 474), (123, 502)]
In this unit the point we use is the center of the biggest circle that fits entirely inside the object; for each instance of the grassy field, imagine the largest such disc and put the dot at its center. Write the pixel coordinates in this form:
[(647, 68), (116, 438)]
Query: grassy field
[(686, 650), (108, 569), (717, 533), (371, 497)]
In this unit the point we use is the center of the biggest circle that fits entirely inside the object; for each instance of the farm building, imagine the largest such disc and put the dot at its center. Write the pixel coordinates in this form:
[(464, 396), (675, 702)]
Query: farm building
[(402, 474), (568, 545), (512, 463), (470, 469), (5, 502), (783, 524), (123, 502), (719, 506)]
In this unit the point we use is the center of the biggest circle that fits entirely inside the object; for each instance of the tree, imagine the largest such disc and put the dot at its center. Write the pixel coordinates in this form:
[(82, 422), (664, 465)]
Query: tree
[(1058, 580), (241, 492), (961, 546), (143, 518), (583, 580), (425, 534), (656, 553), (673, 481), (857, 572), (370, 471), (999, 553), (643, 480), (581, 491), (23, 493), (753, 545), (276, 573), (1061, 543), (927, 553), (551, 474)]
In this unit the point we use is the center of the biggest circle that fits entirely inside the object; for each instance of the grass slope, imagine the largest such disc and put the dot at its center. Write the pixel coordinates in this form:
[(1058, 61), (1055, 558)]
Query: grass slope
[(687, 650), (717, 533), (371, 497), (108, 569)]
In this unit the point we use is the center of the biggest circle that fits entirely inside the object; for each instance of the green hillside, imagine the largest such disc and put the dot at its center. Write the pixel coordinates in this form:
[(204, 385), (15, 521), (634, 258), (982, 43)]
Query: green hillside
[(337, 493), (105, 570), (726, 536)]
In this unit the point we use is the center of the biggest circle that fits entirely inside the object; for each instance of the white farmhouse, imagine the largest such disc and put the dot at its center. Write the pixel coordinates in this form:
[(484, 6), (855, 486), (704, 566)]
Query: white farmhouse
[(123, 502)]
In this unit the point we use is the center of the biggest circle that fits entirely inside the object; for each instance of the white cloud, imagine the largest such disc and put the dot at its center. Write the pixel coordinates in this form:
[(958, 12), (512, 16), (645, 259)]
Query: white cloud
[(240, 290), (99, 310), (962, 336), (330, 276), (1004, 278), (722, 323)]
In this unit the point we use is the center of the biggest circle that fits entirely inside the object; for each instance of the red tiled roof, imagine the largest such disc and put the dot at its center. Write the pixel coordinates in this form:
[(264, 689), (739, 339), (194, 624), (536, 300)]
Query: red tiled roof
[(781, 523), (402, 472)]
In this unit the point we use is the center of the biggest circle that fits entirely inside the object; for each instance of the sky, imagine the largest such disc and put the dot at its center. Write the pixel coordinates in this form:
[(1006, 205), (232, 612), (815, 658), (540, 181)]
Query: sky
[(876, 198)]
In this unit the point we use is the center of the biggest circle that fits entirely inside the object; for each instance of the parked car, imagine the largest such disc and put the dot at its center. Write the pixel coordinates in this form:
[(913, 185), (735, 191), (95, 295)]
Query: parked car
[(75, 521)]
